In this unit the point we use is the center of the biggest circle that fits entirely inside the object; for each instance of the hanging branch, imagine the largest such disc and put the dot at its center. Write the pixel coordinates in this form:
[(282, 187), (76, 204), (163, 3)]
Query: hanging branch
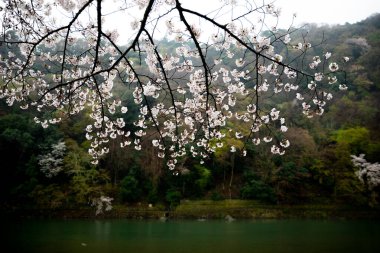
[(226, 75)]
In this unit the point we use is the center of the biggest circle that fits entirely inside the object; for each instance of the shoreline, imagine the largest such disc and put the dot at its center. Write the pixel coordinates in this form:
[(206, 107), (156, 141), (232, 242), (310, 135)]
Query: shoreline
[(205, 210)]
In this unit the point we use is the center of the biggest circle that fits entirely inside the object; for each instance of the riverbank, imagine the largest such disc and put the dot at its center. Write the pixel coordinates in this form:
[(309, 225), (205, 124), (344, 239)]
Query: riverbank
[(254, 210), (207, 209)]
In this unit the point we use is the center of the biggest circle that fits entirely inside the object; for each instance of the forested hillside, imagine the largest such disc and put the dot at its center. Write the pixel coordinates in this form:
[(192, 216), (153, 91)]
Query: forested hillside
[(316, 169)]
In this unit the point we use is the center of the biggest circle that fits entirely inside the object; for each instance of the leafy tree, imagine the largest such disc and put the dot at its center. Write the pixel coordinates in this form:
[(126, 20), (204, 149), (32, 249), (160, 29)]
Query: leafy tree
[(21, 141), (304, 148), (255, 188), (49, 196), (129, 189), (356, 138), (86, 182), (225, 157), (173, 197), (204, 177), (195, 182), (337, 175), (291, 183)]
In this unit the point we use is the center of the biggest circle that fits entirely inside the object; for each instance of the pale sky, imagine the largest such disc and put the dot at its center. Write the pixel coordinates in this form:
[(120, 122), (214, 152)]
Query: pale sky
[(317, 11), (329, 11)]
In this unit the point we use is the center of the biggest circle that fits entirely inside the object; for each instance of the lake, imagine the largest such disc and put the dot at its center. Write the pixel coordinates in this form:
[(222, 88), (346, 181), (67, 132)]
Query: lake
[(55, 236)]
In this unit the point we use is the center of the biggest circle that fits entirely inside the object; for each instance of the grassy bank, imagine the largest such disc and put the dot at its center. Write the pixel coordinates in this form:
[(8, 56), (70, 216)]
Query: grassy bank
[(208, 209), (255, 210)]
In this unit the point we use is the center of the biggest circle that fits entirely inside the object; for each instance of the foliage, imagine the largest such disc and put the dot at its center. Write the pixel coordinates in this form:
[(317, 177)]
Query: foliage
[(356, 138), (129, 189), (173, 197), (256, 189), (204, 177), (49, 197), (316, 169)]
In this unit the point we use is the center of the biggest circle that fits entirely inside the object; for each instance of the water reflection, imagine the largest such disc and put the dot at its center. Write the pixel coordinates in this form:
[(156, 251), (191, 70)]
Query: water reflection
[(192, 236)]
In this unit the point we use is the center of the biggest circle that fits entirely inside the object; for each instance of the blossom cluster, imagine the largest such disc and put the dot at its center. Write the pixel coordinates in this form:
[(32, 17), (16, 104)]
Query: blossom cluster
[(368, 173), (52, 162), (103, 203)]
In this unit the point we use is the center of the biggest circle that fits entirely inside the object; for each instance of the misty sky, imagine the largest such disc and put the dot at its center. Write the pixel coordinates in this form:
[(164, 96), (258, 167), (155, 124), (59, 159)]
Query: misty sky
[(308, 11), (329, 11), (317, 11)]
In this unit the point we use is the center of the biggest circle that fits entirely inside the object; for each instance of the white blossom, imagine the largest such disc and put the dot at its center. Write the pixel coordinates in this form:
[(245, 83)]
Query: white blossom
[(333, 67), (52, 162), (103, 203), (368, 173), (284, 128), (343, 87)]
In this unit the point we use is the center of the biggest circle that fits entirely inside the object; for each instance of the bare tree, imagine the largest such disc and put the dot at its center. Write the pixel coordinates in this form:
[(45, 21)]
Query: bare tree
[(225, 65)]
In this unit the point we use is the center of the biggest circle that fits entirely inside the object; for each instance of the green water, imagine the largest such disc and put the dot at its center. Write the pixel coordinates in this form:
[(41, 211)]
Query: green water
[(190, 236)]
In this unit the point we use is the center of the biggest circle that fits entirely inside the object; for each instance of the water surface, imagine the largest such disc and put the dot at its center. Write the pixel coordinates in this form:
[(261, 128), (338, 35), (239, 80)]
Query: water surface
[(295, 236)]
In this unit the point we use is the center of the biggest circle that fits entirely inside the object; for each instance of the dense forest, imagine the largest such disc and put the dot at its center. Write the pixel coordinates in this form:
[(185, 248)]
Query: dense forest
[(316, 169)]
